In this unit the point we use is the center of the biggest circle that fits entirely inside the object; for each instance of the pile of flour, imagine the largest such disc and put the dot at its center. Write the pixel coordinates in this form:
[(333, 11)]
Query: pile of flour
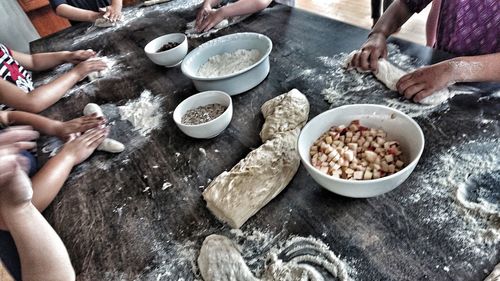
[(229, 63), (144, 113)]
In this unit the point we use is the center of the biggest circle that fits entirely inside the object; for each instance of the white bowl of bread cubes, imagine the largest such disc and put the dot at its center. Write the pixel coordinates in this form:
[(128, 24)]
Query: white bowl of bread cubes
[(361, 150)]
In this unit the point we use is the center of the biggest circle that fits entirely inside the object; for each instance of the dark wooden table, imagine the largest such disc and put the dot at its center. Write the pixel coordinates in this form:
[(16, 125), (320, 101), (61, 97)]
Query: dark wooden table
[(115, 230)]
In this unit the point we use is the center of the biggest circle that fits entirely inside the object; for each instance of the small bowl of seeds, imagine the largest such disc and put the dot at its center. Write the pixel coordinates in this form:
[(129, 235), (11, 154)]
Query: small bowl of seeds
[(204, 115), (167, 50), (361, 150)]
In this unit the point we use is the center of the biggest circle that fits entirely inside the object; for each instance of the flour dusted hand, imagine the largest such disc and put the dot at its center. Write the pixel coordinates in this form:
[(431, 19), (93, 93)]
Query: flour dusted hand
[(108, 145), (237, 195)]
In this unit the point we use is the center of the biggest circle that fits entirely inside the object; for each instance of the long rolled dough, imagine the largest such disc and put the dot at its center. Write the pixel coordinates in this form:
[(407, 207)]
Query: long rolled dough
[(495, 274), (108, 145), (390, 74), (235, 196)]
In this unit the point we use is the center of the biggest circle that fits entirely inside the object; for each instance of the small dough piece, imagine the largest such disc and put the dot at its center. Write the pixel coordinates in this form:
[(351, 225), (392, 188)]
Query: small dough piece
[(284, 113), (108, 145), (495, 274), (390, 74), (235, 196), (220, 260), (104, 22), (224, 23), (92, 108), (111, 145)]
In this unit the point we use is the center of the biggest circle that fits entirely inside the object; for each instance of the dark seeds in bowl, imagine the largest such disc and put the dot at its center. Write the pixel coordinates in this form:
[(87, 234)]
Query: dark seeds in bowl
[(203, 114), (168, 46)]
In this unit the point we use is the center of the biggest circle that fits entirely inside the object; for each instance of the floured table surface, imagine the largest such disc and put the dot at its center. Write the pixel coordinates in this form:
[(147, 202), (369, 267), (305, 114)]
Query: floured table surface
[(139, 215)]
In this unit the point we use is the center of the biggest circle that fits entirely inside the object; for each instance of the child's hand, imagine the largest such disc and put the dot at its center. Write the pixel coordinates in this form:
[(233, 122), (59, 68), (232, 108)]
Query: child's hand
[(113, 13), (80, 148), (202, 14), (84, 68), (425, 81), (17, 138), (77, 57), (210, 20), (367, 57), (64, 130)]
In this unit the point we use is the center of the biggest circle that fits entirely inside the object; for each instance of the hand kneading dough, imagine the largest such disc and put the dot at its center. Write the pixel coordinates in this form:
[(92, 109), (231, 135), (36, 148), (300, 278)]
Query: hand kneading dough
[(100, 74), (494, 275), (390, 74), (104, 22), (237, 195), (108, 145), (219, 260)]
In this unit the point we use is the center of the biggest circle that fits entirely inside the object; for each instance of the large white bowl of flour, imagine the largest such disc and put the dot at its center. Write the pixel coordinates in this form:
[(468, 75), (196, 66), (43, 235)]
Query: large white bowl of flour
[(233, 63)]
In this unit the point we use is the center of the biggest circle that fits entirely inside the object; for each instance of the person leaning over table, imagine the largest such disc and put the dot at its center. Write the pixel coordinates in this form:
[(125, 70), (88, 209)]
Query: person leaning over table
[(87, 10), (30, 238), (16, 86), (209, 16), (469, 29)]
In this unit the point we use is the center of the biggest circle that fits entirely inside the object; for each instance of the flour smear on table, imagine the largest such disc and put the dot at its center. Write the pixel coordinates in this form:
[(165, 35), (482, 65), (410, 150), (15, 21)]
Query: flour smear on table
[(145, 113), (229, 63)]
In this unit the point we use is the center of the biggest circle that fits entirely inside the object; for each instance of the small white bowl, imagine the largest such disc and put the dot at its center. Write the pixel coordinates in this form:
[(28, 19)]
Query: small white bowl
[(168, 58), (212, 128), (399, 127), (235, 83)]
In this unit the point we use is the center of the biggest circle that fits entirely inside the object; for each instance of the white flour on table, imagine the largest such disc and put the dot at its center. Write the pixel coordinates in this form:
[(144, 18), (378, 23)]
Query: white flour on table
[(145, 113), (229, 63)]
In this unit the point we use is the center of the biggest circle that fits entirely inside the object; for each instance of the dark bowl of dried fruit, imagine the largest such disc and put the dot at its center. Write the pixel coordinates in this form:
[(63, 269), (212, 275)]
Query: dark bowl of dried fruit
[(204, 115), (361, 150), (167, 50)]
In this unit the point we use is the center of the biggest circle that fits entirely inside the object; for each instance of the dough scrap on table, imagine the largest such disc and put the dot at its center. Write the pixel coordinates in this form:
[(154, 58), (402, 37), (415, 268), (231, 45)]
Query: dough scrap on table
[(192, 33), (108, 145), (221, 260), (494, 275), (235, 196), (104, 22), (102, 73), (390, 74)]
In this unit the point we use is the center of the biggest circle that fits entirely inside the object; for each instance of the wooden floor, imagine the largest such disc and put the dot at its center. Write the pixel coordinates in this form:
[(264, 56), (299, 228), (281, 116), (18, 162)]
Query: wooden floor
[(358, 12)]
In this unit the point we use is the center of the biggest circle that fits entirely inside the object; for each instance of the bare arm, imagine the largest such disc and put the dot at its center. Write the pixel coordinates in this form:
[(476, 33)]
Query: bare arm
[(427, 80), (41, 61), (46, 95), (77, 14), (244, 7), (375, 46)]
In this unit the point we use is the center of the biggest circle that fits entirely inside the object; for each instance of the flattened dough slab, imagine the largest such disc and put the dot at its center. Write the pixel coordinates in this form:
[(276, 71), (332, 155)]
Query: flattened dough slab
[(235, 196)]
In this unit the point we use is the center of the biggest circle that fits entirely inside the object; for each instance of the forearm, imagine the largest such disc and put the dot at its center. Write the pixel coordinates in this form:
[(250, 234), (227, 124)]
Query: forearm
[(42, 253), (44, 61), (117, 3), (244, 7), (392, 19), (39, 123), (50, 178), (76, 14), (485, 68)]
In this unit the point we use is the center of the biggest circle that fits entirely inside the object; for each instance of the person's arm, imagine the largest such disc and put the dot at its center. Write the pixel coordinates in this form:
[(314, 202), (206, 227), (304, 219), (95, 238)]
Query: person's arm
[(210, 18), (45, 61), (425, 81), (46, 95), (51, 177), (77, 14), (375, 46), (51, 127)]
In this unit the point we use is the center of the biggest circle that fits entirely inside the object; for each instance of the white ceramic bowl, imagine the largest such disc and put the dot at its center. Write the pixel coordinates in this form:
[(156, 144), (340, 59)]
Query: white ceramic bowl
[(235, 83), (168, 58), (212, 128), (399, 127)]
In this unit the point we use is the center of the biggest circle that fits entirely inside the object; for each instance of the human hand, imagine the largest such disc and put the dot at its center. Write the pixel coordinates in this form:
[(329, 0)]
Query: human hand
[(370, 52), (64, 130), (80, 148), (203, 13), (212, 18), (77, 57), (84, 68), (425, 81), (113, 13), (15, 186)]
